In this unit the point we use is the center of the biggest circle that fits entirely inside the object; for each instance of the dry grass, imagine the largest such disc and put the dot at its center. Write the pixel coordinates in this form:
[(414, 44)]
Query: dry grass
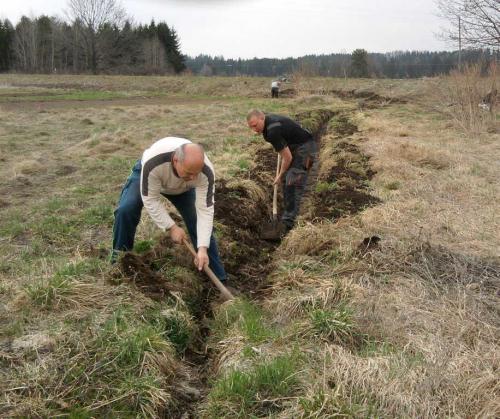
[(463, 91), (438, 186), (408, 329), (254, 191), (28, 167), (423, 342), (422, 156)]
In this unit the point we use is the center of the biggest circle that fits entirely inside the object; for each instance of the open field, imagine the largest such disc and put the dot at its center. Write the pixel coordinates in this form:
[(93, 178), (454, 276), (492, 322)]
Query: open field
[(382, 302)]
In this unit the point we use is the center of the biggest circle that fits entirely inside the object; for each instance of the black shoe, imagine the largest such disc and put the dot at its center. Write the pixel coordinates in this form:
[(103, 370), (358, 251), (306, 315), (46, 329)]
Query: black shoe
[(286, 227)]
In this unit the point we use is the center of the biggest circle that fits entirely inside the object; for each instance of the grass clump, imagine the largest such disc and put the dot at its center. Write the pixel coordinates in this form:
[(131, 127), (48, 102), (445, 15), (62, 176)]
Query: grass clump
[(12, 225), (79, 269), (326, 186), (55, 229), (50, 293), (243, 164), (393, 186), (333, 324), (256, 391), (175, 324), (241, 317), (330, 404), (85, 190), (143, 246), (127, 344), (122, 371)]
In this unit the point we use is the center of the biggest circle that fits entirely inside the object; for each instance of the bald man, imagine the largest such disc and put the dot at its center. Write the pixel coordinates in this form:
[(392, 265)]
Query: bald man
[(178, 170)]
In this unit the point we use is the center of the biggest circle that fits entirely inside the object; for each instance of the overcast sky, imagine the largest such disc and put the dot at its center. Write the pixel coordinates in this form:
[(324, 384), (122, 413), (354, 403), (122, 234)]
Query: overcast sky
[(276, 28)]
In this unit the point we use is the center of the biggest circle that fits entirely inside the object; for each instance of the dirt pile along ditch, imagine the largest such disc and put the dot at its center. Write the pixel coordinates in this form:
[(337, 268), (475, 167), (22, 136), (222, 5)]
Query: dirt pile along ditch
[(342, 185), (243, 207), (368, 98)]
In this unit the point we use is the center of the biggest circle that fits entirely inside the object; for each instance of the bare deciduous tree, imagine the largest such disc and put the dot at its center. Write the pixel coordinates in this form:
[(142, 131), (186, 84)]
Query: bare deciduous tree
[(480, 22), (92, 15), (25, 45)]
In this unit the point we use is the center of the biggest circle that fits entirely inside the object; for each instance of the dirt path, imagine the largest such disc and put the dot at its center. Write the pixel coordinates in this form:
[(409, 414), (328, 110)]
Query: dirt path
[(24, 105)]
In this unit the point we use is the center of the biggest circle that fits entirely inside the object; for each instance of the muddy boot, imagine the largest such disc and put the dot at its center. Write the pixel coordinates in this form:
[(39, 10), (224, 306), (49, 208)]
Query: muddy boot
[(113, 257), (286, 226)]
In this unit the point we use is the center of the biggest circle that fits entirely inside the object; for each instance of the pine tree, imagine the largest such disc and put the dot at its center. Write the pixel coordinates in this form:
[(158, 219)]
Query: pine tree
[(170, 41), (6, 39), (359, 63)]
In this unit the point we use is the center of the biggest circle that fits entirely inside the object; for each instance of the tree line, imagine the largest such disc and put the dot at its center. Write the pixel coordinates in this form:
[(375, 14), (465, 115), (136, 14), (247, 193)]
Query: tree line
[(50, 45), (98, 38), (398, 64)]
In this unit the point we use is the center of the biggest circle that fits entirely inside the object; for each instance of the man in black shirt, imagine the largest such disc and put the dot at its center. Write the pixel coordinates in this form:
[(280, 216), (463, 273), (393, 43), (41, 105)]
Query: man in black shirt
[(298, 151)]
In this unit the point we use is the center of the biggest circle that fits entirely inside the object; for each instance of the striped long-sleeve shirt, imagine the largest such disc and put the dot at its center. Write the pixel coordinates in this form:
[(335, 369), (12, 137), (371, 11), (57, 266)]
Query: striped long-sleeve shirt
[(157, 177)]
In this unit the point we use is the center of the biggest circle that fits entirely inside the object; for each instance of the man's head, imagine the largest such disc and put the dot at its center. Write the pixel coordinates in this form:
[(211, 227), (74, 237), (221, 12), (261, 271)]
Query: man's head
[(255, 120), (188, 161)]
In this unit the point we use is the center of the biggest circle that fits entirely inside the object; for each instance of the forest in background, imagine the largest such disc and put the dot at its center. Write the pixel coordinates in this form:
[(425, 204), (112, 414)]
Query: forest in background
[(50, 45)]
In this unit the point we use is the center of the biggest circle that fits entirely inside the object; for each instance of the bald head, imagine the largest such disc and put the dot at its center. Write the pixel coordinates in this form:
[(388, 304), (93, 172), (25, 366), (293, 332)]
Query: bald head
[(189, 160), (255, 113), (255, 120)]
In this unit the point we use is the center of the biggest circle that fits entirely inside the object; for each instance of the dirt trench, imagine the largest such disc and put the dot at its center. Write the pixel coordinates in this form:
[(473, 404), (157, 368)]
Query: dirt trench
[(243, 208), (367, 98)]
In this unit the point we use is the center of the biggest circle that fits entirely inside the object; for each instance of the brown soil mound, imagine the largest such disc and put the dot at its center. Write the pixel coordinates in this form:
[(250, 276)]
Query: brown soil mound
[(244, 253), (290, 92), (346, 191), (152, 272), (335, 204), (367, 96), (237, 209), (344, 127), (146, 279)]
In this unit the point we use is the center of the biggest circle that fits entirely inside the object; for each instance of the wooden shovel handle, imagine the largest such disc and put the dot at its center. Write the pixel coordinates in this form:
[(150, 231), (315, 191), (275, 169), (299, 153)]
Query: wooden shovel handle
[(216, 281), (275, 189)]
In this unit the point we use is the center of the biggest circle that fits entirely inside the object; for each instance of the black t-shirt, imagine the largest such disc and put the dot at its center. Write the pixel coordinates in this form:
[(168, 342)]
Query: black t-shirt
[(281, 132)]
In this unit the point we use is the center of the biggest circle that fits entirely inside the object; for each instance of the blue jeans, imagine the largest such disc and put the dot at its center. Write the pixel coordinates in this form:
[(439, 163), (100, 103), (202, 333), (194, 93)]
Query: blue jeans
[(128, 215)]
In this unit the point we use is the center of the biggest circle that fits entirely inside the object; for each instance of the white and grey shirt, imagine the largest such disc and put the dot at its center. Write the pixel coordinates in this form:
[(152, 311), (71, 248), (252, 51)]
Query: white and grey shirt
[(158, 176)]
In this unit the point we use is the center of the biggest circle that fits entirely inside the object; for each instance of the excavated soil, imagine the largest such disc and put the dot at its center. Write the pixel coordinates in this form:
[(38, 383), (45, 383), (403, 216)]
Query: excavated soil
[(244, 253), (347, 179), (290, 92), (146, 271), (367, 98)]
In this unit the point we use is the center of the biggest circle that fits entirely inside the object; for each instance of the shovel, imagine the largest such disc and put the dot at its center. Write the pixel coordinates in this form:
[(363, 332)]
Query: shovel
[(273, 231), (216, 281)]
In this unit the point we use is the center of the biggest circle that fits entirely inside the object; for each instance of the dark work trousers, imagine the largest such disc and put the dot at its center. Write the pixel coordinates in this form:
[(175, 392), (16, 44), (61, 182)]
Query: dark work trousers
[(274, 92), (294, 184), (128, 215)]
